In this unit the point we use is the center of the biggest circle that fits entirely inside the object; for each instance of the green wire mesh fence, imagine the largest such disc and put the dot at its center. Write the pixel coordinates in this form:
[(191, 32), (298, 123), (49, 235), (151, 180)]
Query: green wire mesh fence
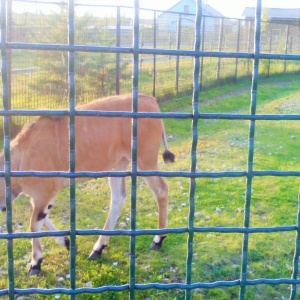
[(135, 51)]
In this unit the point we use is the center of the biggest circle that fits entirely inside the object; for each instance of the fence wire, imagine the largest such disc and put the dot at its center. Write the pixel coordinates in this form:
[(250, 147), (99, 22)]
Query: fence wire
[(39, 78), (72, 48)]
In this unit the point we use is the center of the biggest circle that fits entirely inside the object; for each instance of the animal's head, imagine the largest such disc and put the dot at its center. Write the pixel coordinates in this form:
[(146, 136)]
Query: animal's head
[(15, 190)]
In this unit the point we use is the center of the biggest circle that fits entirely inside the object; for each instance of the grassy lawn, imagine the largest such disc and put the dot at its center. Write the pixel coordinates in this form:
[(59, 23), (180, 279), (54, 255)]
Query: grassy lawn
[(222, 146)]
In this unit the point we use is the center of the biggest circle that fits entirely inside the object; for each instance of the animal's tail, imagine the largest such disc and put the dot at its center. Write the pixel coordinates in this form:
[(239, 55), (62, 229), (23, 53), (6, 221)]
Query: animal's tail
[(168, 156)]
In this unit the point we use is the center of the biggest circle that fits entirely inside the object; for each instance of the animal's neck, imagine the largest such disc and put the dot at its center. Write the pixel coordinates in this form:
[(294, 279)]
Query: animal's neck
[(15, 158)]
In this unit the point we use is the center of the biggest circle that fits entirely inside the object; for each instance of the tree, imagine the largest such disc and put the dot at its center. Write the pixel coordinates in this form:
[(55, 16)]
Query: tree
[(95, 73)]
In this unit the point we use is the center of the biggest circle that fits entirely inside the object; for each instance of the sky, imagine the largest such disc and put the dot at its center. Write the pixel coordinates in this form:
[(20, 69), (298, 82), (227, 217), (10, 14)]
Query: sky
[(234, 8), (229, 8)]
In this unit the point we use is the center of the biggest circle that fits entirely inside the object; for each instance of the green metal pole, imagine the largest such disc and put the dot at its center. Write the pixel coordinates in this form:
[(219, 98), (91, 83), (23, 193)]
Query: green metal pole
[(194, 148), (6, 126), (135, 82), (71, 75), (250, 151), (296, 255)]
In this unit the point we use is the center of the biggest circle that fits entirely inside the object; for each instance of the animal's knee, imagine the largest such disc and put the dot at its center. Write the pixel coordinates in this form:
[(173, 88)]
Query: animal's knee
[(41, 215), (159, 187), (162, 189), (38, 217)]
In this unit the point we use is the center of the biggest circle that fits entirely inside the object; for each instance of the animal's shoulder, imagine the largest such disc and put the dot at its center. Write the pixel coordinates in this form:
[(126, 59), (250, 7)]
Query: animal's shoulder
[(40, 124), (23, 135)]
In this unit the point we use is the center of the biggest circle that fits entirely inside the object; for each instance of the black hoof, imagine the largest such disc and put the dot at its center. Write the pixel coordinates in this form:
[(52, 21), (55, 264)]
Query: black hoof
[(96, 253), (67, 243), (35, 270), (157, 246)]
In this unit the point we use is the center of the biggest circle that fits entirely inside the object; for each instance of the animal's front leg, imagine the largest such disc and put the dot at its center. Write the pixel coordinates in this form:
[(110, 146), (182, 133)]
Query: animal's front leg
[(36, 223)]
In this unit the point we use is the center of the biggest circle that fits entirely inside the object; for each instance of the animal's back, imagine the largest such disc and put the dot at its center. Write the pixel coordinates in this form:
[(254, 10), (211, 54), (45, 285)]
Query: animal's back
[(146, 103), (100, 141), (109, 138)]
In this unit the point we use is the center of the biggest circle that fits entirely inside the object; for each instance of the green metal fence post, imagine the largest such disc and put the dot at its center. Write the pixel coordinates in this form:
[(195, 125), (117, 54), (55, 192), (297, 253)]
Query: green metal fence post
[(191, 226), (71, 75), (6, 126), (135, 83), (296, 255), (250, 174)]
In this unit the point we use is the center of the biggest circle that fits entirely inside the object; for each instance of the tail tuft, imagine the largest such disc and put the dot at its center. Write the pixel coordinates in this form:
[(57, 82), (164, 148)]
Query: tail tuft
[(168, 156)]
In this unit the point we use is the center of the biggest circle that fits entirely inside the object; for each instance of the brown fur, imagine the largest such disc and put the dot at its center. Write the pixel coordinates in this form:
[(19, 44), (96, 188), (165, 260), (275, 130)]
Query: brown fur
[(102, 143)]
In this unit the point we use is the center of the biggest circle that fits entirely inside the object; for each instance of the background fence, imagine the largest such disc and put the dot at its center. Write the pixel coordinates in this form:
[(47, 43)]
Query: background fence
[(50, 75), (39, 78)]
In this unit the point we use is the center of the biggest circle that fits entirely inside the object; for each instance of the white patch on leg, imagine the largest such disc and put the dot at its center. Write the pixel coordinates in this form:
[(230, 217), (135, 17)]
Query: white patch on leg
[(60, 240), (50, 226), (37, 255), (157, 239), (97, 246)]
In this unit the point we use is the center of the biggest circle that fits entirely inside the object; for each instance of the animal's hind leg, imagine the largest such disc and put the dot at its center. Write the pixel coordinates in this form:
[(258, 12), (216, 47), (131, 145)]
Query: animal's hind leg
[(61, 240), (118, 196), (159, 188), (38, 216)]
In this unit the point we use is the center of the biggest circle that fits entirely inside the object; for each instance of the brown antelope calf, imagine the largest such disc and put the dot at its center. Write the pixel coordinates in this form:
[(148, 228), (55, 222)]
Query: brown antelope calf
[(102, 143)]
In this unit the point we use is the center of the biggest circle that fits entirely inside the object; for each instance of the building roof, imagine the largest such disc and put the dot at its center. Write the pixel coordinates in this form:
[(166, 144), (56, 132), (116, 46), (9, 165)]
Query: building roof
[(274, 13), (211, 11), (207, 10)]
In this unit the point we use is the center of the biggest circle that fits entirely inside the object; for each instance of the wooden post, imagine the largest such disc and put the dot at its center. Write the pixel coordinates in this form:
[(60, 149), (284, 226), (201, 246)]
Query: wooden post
[(237, 50), (118, 44), (248, 45), (170, 46), (286, 44), (141, 46), (8, 52), (154, 56), (220, 47), (177, 57), (202, 48), (270, 49)]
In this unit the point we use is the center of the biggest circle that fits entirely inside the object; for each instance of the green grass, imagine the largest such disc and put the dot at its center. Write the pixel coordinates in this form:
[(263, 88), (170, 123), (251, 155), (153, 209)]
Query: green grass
[(222, 146)]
